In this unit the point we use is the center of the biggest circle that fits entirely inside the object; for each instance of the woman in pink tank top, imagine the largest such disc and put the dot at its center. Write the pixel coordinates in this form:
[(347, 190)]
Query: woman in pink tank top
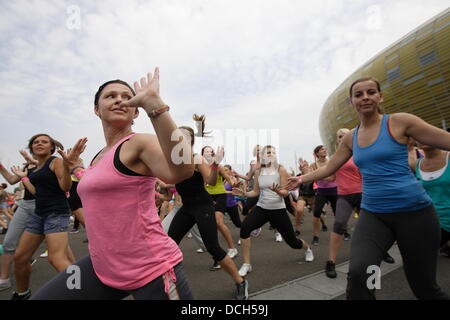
[(129, 251)]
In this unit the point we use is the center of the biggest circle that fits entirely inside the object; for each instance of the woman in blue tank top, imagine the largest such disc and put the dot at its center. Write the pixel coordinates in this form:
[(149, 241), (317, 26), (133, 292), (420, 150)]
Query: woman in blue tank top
[(394, 207)]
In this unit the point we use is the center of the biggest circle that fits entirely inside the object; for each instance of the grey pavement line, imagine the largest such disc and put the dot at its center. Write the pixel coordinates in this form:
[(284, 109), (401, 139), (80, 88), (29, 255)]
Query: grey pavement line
[(313, 292)]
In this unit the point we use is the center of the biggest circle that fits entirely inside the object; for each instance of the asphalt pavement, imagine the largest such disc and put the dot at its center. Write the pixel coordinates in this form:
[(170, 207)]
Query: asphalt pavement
[(279, 272)]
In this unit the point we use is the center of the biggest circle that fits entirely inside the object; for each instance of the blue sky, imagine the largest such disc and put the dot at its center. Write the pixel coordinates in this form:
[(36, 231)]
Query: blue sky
[(246, 64)]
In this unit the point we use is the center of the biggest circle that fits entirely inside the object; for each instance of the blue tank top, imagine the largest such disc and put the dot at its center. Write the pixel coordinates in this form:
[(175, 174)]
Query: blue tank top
[(389, 185)]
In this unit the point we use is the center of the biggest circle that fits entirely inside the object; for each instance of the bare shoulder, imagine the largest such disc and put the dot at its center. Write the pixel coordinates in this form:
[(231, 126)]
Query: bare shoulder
[(282, 169), (56, 162), (348, 139), (141, 140), (403, 118)]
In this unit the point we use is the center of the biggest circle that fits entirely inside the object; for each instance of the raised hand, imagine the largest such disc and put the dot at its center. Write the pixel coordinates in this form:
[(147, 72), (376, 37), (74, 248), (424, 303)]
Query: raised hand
[(276, 188), (72, 156), (292, 184), (304, 166), (147, 94), (219, 155), (21, 173), (28, 158), (238, 192)]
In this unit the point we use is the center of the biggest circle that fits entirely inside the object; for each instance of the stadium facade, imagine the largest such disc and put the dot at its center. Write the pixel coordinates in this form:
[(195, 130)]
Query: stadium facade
[(414, 75)]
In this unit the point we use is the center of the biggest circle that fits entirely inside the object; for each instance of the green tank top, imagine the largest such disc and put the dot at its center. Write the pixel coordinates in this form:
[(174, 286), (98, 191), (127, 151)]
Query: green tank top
[(219, 188), (438, 190)]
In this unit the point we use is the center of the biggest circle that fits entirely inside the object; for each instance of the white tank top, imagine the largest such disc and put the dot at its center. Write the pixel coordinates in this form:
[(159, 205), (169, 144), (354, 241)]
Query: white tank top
[(267, 198)]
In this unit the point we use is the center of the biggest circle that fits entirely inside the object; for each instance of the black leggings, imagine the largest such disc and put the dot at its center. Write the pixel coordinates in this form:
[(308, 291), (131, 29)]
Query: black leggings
[(320, 202), (233, 212), (249, 204), (279, 220), (417, 234), (203, 215), (91, 288), (344, 209)]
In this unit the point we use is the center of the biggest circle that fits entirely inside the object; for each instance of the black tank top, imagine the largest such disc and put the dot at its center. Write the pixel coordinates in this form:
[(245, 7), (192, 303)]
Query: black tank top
[(49, 196), (192, 190), (28, 195)]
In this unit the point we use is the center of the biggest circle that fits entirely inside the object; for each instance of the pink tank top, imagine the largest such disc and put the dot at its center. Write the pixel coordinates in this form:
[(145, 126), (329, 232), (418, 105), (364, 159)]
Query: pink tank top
[(348, 179), (127, 244)]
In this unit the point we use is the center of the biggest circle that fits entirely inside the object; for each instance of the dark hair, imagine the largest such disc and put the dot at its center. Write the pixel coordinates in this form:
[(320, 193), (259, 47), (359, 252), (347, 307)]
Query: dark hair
[(54, 143), (103, 86), (228, 166), (317, 149), (191, 132), (203, 149), (365, 79), (4, 185)]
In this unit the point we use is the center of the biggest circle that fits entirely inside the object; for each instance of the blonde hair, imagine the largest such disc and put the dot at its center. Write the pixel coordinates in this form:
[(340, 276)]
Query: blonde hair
[(343, 130)]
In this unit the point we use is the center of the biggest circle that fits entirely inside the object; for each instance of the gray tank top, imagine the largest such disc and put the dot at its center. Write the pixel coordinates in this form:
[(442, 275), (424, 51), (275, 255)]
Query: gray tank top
[(267, 198)]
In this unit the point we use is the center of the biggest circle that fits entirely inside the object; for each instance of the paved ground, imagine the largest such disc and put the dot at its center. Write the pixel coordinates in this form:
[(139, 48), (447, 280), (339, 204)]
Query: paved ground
[(279, 271)]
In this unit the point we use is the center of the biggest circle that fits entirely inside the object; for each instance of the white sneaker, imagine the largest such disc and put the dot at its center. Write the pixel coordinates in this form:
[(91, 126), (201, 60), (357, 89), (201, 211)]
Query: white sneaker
[(44, 254), (189, 235), (200, 250), (232, 253), (309, 256), (278, 237), (5, 284), (239, 242), (246, 268)]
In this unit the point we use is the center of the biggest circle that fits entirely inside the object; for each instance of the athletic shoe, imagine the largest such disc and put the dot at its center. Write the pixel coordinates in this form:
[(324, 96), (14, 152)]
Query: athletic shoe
[(6, 284), (278, 237), (44, 254), (216, 266), (200, 250), (232, 253), (242, 291), (315, 241), (255, 233), (309, 256), (324, 228), (388, 259), (245, 269), (33, 261), (330, 269), (74, 230), (347, 236), (239, 242), (356, 216), (16, 296), (189, 235)]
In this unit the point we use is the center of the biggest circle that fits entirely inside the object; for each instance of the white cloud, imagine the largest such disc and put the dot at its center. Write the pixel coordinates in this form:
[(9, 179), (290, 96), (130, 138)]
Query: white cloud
[(245, 64)]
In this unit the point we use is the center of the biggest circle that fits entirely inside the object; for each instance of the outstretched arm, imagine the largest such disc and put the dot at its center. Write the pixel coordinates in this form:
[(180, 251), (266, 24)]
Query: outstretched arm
[(171, 160)]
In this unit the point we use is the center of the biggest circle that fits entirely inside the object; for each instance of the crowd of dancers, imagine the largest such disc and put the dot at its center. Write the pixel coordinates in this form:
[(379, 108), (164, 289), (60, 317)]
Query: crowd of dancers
[(391, 171)]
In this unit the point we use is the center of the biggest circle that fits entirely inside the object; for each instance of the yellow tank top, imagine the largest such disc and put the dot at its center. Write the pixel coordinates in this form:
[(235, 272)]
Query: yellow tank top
[(219, 188)]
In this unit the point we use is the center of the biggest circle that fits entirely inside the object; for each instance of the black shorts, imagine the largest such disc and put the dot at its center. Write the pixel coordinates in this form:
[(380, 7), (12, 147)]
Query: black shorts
[(220, 202)]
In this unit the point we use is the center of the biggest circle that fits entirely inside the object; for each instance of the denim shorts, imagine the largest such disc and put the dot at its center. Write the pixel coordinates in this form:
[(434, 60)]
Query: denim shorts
[(48, 223), (4, 205)]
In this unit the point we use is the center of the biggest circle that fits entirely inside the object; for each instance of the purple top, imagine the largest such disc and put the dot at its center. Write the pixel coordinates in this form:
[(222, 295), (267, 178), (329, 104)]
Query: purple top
[(231, 199)]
